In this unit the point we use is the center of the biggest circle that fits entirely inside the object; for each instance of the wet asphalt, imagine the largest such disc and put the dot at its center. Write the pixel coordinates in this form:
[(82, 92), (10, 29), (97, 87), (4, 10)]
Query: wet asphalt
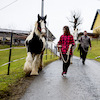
[(82, 82)]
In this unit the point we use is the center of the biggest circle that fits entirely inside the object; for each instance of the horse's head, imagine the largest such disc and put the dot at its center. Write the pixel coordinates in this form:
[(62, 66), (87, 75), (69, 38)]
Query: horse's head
[(42, 24)]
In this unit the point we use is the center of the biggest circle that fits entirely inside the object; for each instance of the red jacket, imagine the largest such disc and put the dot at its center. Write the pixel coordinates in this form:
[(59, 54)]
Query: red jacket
[(65, 41)]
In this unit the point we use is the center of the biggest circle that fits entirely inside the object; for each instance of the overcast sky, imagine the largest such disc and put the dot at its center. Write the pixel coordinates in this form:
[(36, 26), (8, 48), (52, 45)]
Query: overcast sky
[(22, 14)]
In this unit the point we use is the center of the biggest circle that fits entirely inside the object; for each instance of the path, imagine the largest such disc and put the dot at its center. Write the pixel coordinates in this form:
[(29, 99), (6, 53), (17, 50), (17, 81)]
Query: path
[(80, 83)]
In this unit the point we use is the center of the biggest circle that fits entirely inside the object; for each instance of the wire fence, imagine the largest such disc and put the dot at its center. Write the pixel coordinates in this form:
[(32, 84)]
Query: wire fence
[(50, 52), (16, 67), (17, 60)]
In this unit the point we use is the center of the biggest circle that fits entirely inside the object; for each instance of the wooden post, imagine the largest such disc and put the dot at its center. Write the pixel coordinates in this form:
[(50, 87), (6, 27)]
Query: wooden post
[(55, 51), (46, 53), (51, 50), (10, 54)]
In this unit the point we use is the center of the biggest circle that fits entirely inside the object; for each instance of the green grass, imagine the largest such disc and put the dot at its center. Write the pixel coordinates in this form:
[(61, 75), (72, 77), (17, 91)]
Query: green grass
[(7, 46), (92, 53), (16, 72), (4, 46), (16, 54), (16, 68)]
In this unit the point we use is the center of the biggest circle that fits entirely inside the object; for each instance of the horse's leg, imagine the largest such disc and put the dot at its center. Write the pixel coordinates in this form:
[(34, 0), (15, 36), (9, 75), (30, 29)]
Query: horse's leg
[(35, 65), (71, 59), (28, 63), (41, 61)]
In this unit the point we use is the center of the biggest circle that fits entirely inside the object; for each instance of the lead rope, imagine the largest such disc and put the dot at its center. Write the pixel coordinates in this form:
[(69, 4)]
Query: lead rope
[(68, 53), (84, 49), (88, 51)]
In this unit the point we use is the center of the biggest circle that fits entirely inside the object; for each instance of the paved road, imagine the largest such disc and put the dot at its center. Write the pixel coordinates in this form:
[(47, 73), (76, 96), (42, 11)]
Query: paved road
[(80, 83)]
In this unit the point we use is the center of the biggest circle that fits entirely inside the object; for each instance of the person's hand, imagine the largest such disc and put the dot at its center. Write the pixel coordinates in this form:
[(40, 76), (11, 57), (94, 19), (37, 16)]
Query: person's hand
[(59, 46), (90, 48)]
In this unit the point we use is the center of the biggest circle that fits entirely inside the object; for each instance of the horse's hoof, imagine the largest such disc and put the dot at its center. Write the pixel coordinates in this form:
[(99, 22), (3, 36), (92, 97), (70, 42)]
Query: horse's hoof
[(40, 69), (34, 74), (27, 75)]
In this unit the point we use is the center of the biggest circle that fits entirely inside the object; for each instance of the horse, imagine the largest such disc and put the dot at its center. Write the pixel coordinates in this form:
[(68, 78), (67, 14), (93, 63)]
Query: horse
[(75, 36), (35, 45)]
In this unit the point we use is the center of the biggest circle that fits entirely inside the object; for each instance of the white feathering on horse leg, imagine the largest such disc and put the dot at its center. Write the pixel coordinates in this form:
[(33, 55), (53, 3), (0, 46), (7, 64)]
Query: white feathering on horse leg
[(28, 63), (35, 65), (41, 65)]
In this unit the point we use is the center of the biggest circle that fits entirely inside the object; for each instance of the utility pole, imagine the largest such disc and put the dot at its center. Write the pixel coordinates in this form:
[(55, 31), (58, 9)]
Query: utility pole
[(42, 14), (42, 9), (47, 43)]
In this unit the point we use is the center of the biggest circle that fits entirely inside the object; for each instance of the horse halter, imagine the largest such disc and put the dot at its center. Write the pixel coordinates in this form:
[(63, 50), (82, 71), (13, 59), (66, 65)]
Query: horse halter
[(39, 28)]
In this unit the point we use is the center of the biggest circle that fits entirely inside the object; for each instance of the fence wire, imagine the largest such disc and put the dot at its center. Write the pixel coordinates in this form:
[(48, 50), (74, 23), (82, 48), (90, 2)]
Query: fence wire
[(50, 53)]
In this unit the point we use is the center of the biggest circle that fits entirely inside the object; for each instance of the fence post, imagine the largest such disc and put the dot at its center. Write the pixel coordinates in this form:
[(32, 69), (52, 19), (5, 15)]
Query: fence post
[(46, 53), (51, 50), (56, 51), (46, 50), (10, 54)]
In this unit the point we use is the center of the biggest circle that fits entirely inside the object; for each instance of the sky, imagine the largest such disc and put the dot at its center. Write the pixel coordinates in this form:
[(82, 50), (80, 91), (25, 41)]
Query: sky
[(22, 14)]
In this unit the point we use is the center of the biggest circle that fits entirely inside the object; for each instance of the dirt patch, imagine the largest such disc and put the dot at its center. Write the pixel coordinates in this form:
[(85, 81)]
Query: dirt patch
[(16, 91)]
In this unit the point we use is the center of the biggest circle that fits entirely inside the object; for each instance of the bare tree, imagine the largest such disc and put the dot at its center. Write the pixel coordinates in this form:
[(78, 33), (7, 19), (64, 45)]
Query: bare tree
[(75, 19)]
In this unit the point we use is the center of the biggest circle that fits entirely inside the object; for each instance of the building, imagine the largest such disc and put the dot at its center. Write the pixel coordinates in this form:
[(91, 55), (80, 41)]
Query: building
[(95, 27), (91, 35), (96, 22), (50, 44), (18, 36), (50, 39)]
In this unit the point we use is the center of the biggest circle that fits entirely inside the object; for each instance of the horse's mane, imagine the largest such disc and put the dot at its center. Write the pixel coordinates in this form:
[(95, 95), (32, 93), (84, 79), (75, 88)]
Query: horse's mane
[(36, 25), (36, 31)]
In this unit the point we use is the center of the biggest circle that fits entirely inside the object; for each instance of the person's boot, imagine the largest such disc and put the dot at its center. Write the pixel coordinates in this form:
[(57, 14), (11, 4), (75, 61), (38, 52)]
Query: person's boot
[(83, 62), (63, 73), (80, 56)]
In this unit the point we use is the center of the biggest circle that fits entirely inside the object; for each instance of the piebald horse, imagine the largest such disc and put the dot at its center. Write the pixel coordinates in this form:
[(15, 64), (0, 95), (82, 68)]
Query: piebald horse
[(35, 44)]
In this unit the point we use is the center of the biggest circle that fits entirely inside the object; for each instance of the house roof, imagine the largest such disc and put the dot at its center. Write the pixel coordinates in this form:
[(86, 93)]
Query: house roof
[(51, 37), (18, 33), (87, 33), (98, 12), (14, 31)]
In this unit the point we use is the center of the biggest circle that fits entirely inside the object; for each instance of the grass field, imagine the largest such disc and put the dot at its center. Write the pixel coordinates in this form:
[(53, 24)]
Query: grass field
[(16, 68), (7, 46), (94, 52)]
